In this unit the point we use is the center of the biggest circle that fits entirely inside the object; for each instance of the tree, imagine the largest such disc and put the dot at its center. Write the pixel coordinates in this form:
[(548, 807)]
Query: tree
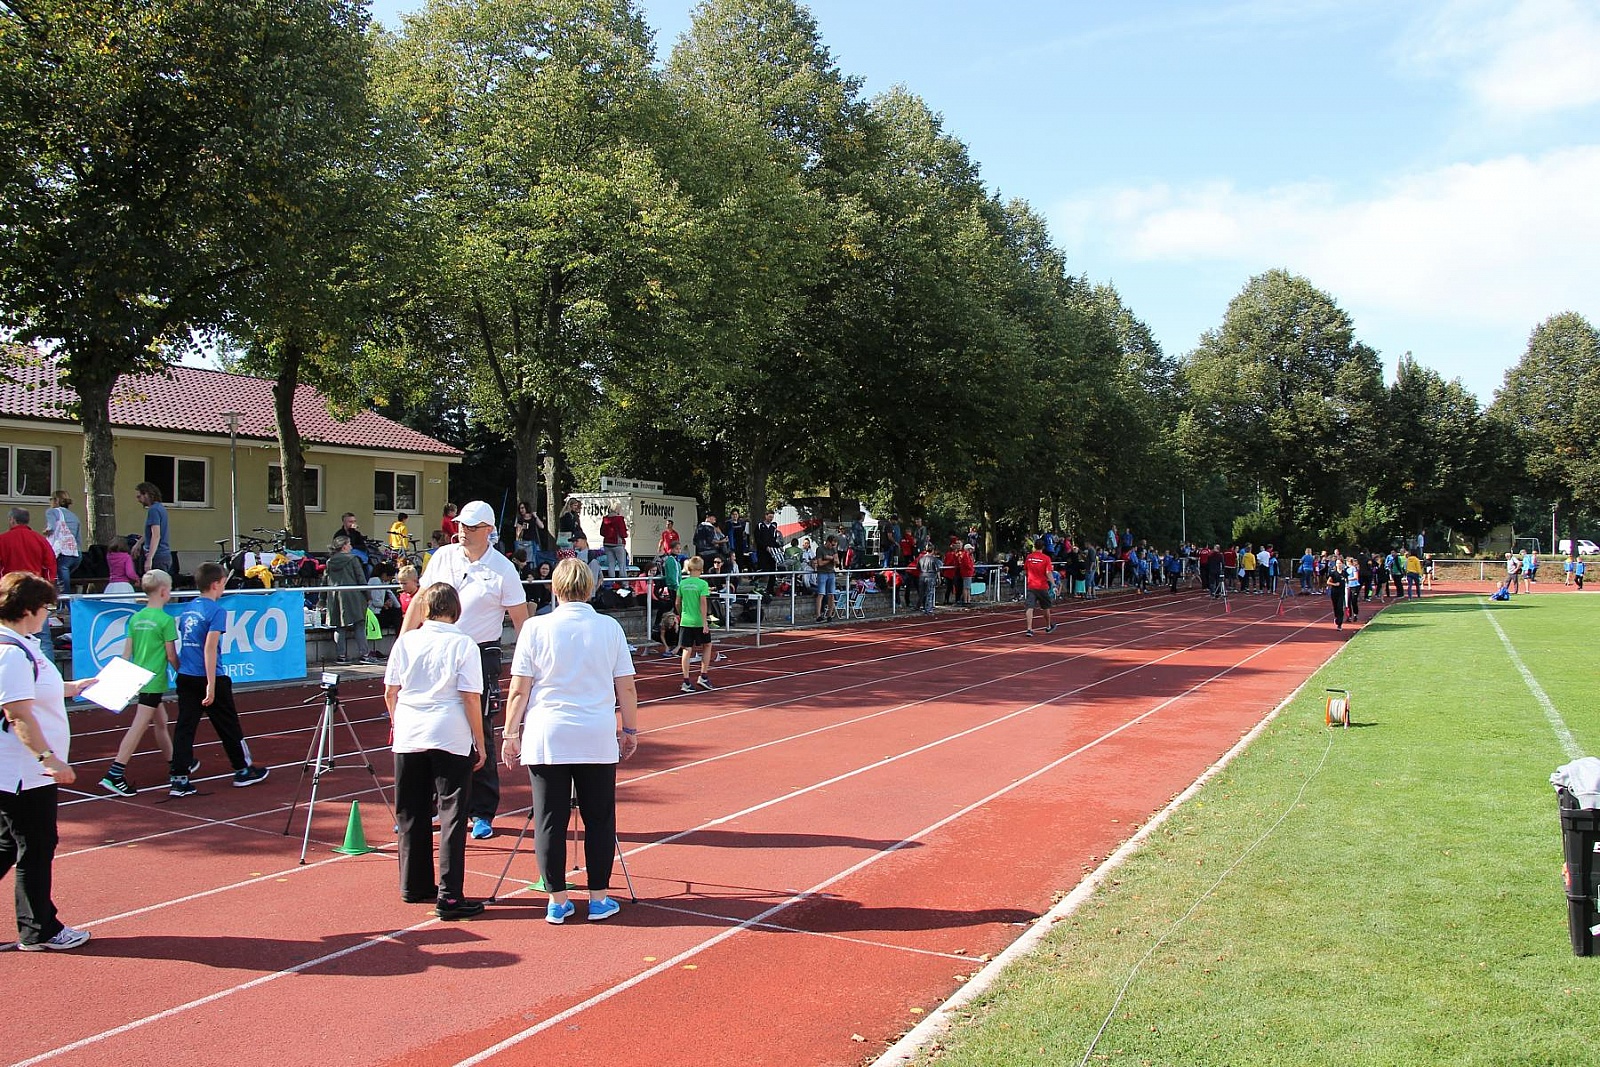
[(147, 152), (562, 241), (1284, 399), (786, 241), (1449, 459), (1551, 402)]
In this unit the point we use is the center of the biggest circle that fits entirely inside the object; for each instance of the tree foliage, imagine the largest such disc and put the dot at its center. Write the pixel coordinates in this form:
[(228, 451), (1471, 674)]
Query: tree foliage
[(1551, 403), (149, 152)]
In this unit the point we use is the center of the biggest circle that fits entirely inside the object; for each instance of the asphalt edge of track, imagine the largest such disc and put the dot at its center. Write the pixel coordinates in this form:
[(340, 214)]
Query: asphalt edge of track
[(940, 1020)]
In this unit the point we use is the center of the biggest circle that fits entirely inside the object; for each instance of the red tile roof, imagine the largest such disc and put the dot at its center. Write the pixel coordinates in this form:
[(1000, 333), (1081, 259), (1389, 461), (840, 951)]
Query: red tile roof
[(191, 400)]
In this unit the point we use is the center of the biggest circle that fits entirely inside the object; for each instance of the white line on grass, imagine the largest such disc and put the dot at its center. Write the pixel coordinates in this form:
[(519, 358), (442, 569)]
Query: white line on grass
[(1569, 744)]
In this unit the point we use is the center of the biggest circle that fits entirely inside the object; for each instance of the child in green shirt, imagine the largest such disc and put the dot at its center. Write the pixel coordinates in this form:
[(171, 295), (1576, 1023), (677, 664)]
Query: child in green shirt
[(151, 644), (694, 623)]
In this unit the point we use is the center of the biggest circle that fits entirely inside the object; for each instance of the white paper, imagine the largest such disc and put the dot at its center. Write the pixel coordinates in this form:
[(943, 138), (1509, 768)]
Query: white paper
[(117, 684)]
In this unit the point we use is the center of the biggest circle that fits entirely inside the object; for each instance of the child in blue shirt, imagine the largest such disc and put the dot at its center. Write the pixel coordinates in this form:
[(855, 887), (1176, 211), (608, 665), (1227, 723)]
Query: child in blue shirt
[(203, 689)]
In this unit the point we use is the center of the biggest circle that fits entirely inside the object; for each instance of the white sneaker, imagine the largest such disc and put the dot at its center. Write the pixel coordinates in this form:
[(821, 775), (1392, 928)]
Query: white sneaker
[(66, 938)]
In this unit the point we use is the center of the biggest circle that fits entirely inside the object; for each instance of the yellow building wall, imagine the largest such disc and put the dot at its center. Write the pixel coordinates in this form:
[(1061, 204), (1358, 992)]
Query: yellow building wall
[(347, 485)]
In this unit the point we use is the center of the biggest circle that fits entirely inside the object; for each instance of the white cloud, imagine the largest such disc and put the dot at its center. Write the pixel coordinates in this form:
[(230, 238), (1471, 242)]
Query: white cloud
[(1504, 242), (1532, 58)]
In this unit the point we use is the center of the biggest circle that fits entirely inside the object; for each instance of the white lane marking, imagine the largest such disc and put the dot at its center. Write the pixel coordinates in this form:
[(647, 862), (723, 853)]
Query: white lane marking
[(1569, 744)]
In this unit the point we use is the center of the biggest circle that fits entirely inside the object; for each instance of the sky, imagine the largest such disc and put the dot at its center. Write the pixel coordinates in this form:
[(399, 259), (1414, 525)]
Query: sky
[(1434, 165)]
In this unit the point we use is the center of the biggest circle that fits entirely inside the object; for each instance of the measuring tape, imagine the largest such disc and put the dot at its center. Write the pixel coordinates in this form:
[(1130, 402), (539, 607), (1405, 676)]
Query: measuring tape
[(1337, 712)]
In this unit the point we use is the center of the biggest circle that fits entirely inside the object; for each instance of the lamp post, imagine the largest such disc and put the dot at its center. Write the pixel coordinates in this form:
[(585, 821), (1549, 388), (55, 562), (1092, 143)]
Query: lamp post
[(233, 418)]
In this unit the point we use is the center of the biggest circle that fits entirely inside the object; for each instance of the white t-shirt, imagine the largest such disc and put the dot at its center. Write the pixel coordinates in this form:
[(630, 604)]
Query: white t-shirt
[(487, 588), (433, 665), (573, 657), (19, 768)]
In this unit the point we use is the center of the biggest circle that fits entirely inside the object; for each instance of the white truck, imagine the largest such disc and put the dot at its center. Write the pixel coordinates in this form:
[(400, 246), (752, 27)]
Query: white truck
[(646, 514)]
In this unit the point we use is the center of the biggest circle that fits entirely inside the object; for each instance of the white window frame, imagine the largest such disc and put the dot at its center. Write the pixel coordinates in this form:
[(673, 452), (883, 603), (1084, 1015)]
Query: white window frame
[(394, 496), (177, 481), (11, 473), (321, 485)]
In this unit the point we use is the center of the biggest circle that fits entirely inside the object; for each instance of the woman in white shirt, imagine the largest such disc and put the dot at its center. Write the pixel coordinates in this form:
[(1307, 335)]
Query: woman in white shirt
[(571, 680), (433, 686), (33, 759)]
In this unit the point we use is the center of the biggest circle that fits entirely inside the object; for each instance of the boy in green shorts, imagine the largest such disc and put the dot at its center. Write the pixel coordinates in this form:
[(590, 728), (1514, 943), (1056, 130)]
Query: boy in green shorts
[(152, 644), (694, 622)]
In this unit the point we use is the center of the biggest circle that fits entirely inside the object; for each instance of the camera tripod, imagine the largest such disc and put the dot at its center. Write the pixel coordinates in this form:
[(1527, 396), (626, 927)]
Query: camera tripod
[(320, 758), (572, 810)]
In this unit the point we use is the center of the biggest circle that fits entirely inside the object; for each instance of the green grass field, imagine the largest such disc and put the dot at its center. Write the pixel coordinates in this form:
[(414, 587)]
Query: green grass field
[(1409, 910)]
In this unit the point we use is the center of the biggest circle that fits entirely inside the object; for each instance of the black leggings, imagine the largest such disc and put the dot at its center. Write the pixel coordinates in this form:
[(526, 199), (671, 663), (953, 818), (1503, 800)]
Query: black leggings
[(28, 844), (595, 785)]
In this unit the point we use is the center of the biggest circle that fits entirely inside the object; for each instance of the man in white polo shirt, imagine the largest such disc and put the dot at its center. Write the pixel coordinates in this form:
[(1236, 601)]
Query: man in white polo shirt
[(490, 589)]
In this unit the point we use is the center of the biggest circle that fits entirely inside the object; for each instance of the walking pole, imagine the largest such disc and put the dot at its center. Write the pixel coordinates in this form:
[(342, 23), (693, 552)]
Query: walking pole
[(634, 897)]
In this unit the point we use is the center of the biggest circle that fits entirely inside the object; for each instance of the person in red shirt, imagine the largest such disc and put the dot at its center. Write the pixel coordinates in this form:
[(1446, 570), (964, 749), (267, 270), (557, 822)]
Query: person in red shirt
[(1038, 570), (23, 548), (614, 539), (966, 570)]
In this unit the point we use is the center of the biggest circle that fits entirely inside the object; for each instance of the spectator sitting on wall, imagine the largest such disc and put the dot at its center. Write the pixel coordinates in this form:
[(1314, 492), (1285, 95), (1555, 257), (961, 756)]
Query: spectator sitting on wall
[(360, 547)]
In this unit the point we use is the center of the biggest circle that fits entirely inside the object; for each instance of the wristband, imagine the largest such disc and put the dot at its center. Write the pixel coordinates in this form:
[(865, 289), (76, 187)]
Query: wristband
[(630, 731), (46, 754)]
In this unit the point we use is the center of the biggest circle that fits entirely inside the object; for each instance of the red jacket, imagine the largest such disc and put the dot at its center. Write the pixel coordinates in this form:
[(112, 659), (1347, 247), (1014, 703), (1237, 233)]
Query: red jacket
[(23, 548), (966, 566), (951, 567), (613, 530)]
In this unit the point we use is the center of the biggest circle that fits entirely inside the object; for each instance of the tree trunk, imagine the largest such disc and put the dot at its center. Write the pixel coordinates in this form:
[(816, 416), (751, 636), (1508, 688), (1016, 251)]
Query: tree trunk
[(551, 497), (526, 443), (99, 458), (757, 471), (1572, 530), (716, 492), (291, 457)]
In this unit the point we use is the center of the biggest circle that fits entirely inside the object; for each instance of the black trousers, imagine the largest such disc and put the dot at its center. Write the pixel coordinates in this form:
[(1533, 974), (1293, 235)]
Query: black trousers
[(28, 843), (1336, 599), (224, 718), (418, 778), (483, 801), (596, 787)]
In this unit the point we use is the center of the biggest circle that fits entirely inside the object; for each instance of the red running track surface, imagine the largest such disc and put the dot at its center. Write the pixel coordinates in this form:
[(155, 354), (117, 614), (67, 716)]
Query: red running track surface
[(823, 848)]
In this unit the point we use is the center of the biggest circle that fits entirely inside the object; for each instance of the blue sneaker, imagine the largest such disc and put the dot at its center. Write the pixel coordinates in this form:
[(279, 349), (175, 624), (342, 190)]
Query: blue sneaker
[(481, 829), (603, 908), (556, 914)]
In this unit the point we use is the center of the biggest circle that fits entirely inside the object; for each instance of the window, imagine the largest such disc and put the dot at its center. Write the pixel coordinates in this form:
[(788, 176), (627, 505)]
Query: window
[(313, 485), (184, 481), (27, 473), (395, 491)]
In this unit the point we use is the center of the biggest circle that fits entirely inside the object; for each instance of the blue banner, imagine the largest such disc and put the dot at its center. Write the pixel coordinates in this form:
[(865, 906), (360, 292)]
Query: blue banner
[(265, 640)]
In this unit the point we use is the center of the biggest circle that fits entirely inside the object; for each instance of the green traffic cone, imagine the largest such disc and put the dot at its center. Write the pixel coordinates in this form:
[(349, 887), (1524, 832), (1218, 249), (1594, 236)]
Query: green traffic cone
[(355, 838)]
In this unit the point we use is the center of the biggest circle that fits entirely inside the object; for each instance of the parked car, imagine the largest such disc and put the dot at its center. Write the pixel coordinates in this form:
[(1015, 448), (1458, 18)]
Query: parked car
[(1585, 548)]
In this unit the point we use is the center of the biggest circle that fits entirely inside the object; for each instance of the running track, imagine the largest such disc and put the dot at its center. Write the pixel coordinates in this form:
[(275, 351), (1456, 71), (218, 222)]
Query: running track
[(824, 849)]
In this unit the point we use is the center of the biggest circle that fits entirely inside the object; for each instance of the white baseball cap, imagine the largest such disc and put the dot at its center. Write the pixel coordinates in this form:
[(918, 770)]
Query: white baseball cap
[(475, 513)]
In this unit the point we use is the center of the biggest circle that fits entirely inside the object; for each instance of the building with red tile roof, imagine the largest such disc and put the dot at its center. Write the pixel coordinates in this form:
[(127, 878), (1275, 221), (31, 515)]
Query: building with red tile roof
[(172, 430)]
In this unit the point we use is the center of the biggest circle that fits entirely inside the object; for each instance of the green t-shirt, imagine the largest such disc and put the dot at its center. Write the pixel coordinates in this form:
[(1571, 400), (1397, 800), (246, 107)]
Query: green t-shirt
[(690, 590), (151, 629)]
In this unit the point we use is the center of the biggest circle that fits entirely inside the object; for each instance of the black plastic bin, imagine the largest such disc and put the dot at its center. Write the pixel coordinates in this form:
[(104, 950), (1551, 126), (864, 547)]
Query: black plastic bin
[(1580, 840)]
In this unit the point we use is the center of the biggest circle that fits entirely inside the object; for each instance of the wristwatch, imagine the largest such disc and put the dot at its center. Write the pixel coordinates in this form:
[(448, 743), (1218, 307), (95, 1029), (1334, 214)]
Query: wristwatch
[(630, 731), (46, 754)]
